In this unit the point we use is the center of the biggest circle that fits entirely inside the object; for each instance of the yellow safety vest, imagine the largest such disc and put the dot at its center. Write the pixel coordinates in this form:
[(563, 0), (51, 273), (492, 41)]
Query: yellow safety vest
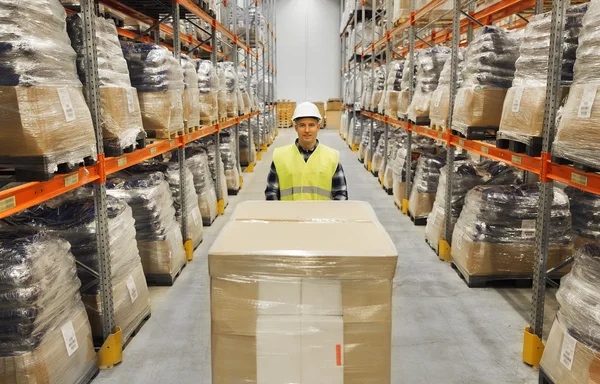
[(305, 180)]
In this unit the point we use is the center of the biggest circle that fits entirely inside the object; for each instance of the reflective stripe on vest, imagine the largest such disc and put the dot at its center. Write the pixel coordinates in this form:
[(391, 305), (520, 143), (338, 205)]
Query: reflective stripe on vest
[(310, 180)]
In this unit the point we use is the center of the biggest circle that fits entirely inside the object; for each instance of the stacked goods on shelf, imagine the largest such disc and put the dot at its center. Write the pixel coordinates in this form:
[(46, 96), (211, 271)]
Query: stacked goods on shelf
[(577, 137), (378, 163), (429, 66), (402, 108), (285, 111), (317, 311), (386, 170), (393, 88), (247, 148), (378, 89), (197, 162), (421, 144), (427, 177), (229, 84), (333, 114), (222, 94), (208, 144), (208, 85), (355, 134), (232, 175), (494, 236), (157, 233), (254, 93), (321, 107), (489, 69), (120, 115), (585, 211), (242, 73), (440, 99), (72, 218), (46, 124), (572, 351), (172, 175), (191, 95), (364, 35), (344, 124), (355, 91), (467, 174), (252, 22), (367, 91), (364, 148), (46, 335), (524, 106), (401, 11), (158, 78)]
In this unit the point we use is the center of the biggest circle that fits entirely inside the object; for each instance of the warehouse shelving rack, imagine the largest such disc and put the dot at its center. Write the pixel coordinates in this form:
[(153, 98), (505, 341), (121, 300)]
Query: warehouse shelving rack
[(23, 196), (464, 20)]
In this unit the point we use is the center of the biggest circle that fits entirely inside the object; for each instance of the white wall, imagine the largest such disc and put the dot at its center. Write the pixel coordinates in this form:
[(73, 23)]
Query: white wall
[(308, 49)]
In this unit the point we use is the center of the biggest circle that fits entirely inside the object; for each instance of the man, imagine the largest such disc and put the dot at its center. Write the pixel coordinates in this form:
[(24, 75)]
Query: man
[(306, 170)]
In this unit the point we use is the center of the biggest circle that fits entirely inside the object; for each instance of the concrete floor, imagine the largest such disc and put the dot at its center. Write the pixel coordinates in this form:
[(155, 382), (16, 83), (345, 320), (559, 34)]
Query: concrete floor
[(443, 332)]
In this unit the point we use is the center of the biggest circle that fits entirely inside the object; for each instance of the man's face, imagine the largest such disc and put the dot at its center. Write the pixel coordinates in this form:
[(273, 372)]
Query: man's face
[(307, 129)]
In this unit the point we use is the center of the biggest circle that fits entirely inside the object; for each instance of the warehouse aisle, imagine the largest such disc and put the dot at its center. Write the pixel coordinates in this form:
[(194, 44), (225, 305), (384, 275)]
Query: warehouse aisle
[(443, 331)]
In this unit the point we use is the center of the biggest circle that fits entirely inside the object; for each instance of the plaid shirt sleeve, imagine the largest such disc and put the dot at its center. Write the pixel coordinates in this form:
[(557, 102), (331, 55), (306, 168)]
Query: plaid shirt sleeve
[(339, 188), (272, 190)]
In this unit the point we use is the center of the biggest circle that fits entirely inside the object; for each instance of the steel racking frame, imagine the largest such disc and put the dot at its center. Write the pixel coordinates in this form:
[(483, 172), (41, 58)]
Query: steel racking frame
[(464, 21), (13, 200)]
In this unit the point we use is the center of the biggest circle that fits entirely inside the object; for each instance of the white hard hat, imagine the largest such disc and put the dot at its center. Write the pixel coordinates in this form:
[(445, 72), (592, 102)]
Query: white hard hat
[(306, 109)]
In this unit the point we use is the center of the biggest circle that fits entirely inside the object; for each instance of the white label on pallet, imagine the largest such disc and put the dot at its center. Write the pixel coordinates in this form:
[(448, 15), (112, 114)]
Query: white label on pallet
[(70, 180), (8, 203), (438, 99), (133, 292), (70, 337), (130, 102), (516, 105), (587, 101), (122, 161), (196, 215), (153, 150), (516, 159), (67, 105), (567, 352), (579, 179), (528, 228)]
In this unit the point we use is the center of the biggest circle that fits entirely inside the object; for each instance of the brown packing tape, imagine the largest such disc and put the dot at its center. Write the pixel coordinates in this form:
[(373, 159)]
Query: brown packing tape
[(34, 121)]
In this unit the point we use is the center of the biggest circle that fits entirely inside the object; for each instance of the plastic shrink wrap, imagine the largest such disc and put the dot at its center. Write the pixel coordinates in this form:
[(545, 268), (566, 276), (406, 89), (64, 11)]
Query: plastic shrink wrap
[(495, 233), (308, 312), (229, 85), (402, 108), (577, 139), (439, 108), (421, 144), (159, 80), (429, 66), (378, 154), (197, 162), (157, 233), (489, 69), (120, 115), (572, 352), (401, 11), (466, 175), (344, 124), (247, 23), (232, 174), (357, 127), (364, 35), (524, 106), (46, 335), (172, 175), (242, 73), (425, 185), (45, 120), (367, 92), (386, 169), (247, 148), (378, 88), (208, 85), (191, 94), (365, 147), (208, 144), (393, 86), (585, 211), (72, 218)]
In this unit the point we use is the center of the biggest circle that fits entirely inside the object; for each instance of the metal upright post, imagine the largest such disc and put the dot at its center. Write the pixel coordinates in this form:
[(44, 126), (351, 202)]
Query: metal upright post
[(444, 244), (264, 76), (411, 64), (532, 344), (220, 197), (111, 351), (232, 11), (388, 59), (369, 160)]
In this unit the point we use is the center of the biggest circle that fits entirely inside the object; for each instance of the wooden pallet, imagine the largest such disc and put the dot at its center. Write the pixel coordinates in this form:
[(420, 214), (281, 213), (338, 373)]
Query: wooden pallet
[(437, 127), (223, 119), (477, 133), (499, 281), (421, 120), (204, 121), (162, 135), (576, 164), (163, 279), (191, 129)]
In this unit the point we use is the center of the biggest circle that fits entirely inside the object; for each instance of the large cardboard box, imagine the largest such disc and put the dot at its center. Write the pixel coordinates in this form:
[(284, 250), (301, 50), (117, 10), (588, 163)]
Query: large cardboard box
[(440, 107), (321, 106), (329, 298), (333, 119), (568, 363), (162, 112), (503, 259), (478, 107), (420, 204), (334, 104), (120, 115)]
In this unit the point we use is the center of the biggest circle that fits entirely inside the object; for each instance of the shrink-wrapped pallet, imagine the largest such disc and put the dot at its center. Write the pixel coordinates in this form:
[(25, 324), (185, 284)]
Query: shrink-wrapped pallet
[(427, 176), (197, 162), (402, 108), (378, 88), (46, 124), (439, 108), (229, 85), (247, 105), (365, 147), (208, 85), (393, 87), (191, 94), (429, 65), (585, 211), (386, 169), (208, 144)]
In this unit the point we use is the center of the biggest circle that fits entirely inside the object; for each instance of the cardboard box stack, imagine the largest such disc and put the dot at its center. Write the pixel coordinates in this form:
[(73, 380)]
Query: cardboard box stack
[(379, 162), (572, 352), (488, 72), (197, 162), (364, 147), (421, 144), (45, 120), (46, 335), (159, 80), (288, 310), (191, 95), (208, 144), (495, 233), (586, 220), (243, 88), (577, 136), (393, 88), (427, 176), (228, 80), (321, 106), (439, 108), (208, 85), (524, 106), (120, 115), (429, 66), (333, 114), (386, 169), (285, 111), (402, 108)]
